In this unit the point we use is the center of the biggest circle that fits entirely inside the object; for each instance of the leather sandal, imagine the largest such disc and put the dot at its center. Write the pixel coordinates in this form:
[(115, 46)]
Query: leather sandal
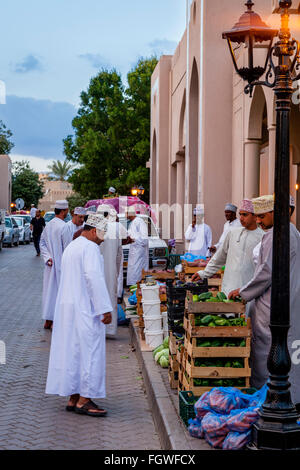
[(90, 405)]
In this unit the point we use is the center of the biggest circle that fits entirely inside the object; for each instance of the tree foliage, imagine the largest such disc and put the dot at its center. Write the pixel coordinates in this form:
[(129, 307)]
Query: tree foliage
[(60, 170), (6, 144), (76, 200), (111, 144), (26, 184)]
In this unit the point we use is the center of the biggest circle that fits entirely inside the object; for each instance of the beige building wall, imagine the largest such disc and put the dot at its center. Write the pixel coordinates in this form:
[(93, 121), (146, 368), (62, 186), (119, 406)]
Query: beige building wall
[(5, 182), (53, 191), (211, 143)]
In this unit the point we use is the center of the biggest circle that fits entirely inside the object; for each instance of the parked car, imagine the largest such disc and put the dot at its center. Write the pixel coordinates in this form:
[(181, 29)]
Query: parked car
[(27, 219), (12, 234), (24, 230), (50, 215), (158, 249), (2, 227)]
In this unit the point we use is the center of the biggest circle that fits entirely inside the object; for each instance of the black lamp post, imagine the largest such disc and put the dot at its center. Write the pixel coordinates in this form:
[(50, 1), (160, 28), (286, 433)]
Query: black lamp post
[(277, 426)]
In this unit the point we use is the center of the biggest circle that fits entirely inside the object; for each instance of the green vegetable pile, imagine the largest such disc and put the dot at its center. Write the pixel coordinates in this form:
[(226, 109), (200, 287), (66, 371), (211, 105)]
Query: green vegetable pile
[(220, 297), (161, 354), (218, 320), (220, 343), (219, 362), (219, 382)]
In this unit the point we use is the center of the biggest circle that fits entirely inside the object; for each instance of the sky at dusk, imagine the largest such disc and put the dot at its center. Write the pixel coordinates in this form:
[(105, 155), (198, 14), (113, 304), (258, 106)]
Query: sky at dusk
[(50, 51)]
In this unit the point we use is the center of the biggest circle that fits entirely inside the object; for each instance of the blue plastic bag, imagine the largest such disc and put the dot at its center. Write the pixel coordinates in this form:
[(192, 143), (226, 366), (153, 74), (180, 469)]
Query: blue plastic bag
[(122, 320), (190, 258), (195, 428), (236, 440), (132, 299)]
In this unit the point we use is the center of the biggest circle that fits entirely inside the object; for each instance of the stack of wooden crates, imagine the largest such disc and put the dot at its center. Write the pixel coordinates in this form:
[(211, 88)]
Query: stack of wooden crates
[(190, 376)]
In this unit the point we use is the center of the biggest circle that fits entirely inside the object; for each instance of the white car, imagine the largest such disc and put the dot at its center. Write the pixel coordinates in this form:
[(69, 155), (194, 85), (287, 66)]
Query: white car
[(24, 230)]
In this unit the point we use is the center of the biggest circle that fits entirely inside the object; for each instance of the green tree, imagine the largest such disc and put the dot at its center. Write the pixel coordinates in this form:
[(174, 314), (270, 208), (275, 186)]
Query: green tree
[(139, 114), (76, 200), (100, 131), (5, 143), (60, 170), (26, 184), (112, 133)]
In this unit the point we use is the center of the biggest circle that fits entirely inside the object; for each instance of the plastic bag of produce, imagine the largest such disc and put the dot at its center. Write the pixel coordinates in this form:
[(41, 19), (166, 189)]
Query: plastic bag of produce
[(202, 405), (242, 420), (236, 440), (132, 299), (195, 428), (215, 441), (214, 425), (222, 400)]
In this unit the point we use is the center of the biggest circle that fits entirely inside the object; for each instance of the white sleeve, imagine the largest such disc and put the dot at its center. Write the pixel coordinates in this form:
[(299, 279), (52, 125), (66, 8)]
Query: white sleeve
[(191, 233), (208, 239), (43, 247), (217, 261), (95, 282)]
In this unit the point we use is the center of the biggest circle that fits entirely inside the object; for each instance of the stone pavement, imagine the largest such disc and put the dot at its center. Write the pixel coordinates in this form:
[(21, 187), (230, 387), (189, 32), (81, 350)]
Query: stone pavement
[(31, 420)]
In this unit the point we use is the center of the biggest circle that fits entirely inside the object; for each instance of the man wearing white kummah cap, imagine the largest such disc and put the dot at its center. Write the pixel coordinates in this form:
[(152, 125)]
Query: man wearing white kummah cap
[(138, 257), (232, 222), (73, 225), (199, 234), (236, 251), (77, 357), (259, 290), (51, 246)]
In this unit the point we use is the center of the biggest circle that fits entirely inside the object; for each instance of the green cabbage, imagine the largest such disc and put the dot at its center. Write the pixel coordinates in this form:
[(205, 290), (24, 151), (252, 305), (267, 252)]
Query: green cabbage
[(166, 342), (158, 349), (164, 361)]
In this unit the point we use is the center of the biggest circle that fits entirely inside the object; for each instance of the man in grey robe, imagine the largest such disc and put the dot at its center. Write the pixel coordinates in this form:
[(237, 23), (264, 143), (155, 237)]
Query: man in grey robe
[(259, 288)]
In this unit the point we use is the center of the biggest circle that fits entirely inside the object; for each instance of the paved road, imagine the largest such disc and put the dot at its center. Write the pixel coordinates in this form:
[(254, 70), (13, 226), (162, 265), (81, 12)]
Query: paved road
[(31, 420)]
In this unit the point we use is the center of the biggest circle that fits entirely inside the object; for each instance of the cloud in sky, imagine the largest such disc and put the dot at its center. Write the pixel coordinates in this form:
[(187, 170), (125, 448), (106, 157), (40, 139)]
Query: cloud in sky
[(28, 64), (38, 126), (96, 60), (37, 163), (162, 46)]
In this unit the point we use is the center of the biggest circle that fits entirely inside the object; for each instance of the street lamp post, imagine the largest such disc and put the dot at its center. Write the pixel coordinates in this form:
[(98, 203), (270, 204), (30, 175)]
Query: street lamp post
[(277, 425)]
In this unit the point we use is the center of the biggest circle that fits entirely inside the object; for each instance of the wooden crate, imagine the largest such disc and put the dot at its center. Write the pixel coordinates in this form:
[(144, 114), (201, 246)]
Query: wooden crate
[(217, 372), (173, 379), (159, 276), (190, 344), (216, 331), (174, 365), (213, 307), (189, 386), (173, 344)]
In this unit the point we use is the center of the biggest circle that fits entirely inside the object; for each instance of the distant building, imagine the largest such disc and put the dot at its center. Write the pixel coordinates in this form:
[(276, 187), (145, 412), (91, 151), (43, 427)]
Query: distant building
[(5, 182), (53, 190)]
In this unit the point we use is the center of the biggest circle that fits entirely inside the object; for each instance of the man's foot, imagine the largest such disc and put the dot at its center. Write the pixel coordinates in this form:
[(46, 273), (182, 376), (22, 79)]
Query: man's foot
[(38, 254), (89, 408), (72, 402), (48, 324)]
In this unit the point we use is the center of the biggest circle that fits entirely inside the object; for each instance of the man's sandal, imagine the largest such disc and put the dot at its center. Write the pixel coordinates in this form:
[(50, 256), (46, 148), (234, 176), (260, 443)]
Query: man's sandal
[(90, 405)]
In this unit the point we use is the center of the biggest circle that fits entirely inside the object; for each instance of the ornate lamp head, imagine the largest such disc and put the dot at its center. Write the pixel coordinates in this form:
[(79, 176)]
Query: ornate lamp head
[(250, 30)]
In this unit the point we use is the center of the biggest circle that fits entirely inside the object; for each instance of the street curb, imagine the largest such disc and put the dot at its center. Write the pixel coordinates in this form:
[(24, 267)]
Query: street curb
[(171, 431)]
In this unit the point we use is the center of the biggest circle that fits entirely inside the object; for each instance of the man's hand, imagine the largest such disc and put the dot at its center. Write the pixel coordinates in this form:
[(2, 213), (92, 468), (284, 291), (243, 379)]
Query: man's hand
[(233, 294), (196, 277), (212, 249), (106, 318), (50, 262)]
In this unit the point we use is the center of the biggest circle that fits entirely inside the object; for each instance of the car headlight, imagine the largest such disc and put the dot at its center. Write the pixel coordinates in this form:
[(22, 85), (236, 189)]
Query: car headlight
[(160, 252), (7, 233)]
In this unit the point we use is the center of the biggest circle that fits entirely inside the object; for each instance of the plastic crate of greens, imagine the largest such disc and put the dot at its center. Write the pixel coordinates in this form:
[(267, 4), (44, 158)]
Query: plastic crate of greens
[(187, 401)]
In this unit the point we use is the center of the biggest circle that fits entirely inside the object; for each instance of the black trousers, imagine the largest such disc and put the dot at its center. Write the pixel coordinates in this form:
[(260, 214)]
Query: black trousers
[(36, 241)]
